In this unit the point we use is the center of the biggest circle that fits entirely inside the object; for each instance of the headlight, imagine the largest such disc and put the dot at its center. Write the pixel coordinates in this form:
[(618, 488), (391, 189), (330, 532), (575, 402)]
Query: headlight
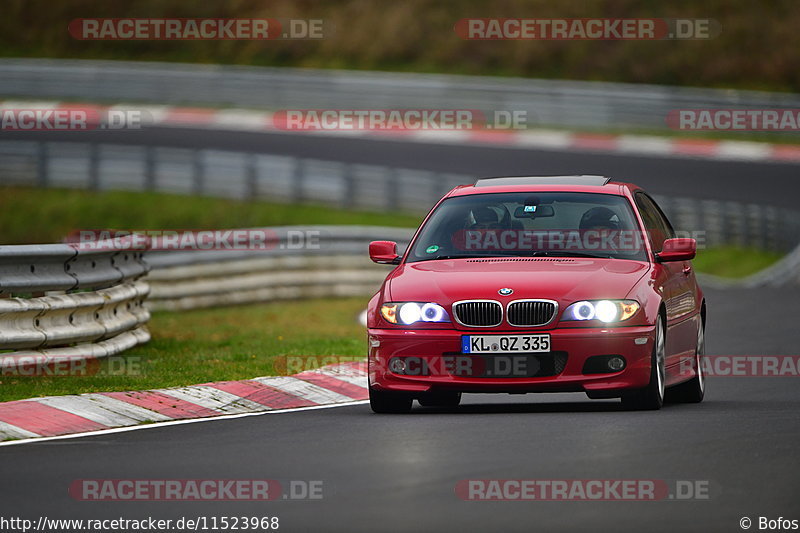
[(602, 310), (412, 312)]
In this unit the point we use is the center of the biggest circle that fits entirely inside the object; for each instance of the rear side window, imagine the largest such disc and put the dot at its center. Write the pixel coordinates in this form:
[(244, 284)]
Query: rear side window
[(658, 227)]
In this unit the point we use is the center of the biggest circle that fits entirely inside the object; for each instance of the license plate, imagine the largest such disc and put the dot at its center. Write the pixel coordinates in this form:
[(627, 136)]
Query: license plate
[(505, 343)]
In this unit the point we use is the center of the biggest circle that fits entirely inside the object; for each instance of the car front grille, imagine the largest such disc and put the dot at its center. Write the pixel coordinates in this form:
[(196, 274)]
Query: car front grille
[(531, 312), (478, 313)]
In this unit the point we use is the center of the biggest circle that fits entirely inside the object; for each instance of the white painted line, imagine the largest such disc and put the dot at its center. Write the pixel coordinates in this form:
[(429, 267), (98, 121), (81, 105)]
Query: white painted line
[(304, 389), (241, 119), (124, 408), (437, 136), (544, 139), (338, 133), (178, 422), (82, 406), (214, 399), (9, 430), (29, 104), (158, 113), (345, 369), (743, 150), (358, 380), (644, 145)]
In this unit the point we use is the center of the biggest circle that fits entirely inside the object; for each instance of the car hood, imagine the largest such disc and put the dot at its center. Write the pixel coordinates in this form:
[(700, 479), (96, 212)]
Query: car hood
[(562, 279)]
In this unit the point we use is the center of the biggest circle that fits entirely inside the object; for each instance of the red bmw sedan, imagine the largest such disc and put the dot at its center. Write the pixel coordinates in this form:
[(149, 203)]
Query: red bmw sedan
[(538, 284)]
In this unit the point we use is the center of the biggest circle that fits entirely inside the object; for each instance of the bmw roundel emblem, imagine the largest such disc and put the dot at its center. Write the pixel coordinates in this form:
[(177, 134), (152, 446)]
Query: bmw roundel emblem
[(505, 291)]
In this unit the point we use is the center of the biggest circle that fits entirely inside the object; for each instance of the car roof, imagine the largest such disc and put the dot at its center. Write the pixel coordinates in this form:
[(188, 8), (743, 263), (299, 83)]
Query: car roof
[(576, 183)]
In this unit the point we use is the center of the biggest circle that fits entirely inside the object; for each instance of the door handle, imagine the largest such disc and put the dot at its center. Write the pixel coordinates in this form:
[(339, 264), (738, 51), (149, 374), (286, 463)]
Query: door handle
[(687, 270)]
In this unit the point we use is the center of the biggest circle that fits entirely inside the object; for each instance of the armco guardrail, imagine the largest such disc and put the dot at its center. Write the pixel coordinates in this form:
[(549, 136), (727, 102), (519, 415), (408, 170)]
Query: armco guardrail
[(64, 302), (336, 264), (547, 102)]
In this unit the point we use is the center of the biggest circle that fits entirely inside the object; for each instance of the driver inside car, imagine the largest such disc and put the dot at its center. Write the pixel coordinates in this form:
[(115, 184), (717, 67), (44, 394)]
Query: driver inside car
[(485, 218), (600, 226)]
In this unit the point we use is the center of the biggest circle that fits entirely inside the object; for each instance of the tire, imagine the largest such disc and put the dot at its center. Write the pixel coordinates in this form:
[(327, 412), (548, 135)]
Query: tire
[(693, 390), (440, 399), (651, 398), (386, 402)]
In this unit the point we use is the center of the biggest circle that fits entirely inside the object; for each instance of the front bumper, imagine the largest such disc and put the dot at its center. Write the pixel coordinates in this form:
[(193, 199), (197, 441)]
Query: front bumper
[(439, 352)]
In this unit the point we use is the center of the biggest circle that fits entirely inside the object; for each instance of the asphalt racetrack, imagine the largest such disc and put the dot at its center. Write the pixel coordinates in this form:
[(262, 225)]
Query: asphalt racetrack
[(399, 472)]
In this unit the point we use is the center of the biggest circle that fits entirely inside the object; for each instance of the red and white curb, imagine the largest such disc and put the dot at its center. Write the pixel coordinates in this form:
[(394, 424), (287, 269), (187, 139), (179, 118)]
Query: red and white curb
[(262, 121), (64, 415)]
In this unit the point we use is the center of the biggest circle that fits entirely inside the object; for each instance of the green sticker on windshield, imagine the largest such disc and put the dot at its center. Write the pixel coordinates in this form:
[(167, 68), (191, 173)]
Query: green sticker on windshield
[(432, 249)]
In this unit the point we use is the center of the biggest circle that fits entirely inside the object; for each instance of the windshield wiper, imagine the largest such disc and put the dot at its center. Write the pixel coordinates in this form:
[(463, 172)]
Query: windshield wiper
[(568, 254)]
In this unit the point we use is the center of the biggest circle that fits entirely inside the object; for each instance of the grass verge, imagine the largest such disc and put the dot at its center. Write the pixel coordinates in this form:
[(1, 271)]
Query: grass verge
[(33, 215), (734, 261)]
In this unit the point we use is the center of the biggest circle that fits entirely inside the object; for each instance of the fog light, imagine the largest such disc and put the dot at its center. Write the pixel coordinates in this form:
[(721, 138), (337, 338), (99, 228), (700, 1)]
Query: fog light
[(398, 366), (616, 363)]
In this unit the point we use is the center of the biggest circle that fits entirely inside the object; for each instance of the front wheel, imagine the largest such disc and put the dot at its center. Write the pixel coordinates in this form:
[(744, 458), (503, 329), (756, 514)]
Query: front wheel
[(693, 390), (388, 402), (652, 396)]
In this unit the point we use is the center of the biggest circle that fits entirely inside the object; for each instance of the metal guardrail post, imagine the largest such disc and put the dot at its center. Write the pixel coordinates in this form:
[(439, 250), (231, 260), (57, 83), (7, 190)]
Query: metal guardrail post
[(150, 168), (251, 177), (298, 179), (392, 188), (349, 179), (198, 172), (42, 162), (94, 166)]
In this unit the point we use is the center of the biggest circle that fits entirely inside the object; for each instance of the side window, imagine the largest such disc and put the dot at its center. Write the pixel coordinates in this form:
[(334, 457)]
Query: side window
[(670, 232), (657, 225)]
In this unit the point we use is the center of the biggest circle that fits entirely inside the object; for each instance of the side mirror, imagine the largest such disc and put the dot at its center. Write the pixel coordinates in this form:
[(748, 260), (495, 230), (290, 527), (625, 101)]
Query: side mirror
[(384, 252), (677, 250)]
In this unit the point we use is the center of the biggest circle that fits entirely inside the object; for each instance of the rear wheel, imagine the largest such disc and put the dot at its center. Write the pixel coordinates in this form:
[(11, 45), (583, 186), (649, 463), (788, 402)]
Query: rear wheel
[(440, 399), (652, 396), (389, 402), (693, 390)]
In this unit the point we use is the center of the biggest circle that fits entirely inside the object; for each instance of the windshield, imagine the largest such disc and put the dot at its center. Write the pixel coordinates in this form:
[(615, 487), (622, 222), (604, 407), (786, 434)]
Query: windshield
[(556, 224)]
